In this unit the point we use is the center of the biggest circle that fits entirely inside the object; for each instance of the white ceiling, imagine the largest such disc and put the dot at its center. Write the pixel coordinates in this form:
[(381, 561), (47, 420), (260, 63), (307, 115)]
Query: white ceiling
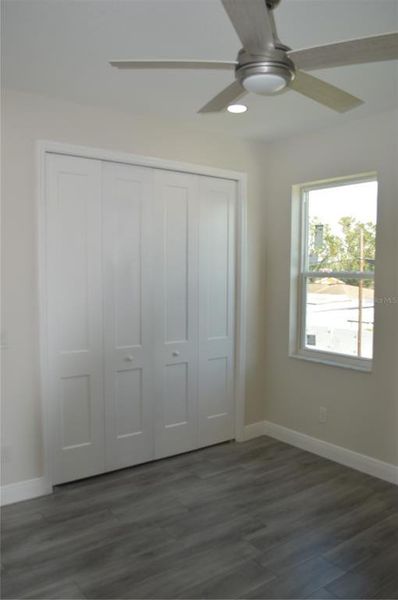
[(61, 48)]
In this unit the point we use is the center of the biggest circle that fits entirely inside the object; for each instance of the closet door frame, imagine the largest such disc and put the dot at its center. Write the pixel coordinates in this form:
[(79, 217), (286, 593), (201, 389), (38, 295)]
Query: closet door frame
[(45, 147)]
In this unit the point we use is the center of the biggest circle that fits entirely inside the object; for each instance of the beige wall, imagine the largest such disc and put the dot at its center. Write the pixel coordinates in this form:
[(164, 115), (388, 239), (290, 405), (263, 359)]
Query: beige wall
[(362, 407), (28, 118)]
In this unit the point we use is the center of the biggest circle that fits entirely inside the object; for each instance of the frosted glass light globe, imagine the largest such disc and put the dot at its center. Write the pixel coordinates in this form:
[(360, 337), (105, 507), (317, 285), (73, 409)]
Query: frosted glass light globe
[(264, 83)]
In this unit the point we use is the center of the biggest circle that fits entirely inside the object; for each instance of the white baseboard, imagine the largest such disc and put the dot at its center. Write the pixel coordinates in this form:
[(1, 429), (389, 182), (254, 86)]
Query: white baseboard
[(33, 488), (349, 458), (253, 430), (24, 490)]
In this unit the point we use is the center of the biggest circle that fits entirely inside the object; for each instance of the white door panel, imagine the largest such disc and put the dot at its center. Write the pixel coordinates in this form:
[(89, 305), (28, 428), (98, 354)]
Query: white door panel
[(176, 297), (140, 302), (216, 310), (74, 302), (128, 271)]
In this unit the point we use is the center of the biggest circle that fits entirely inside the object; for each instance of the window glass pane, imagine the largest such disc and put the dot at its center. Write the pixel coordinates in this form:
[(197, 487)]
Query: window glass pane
[(340, 315), (342, 227)]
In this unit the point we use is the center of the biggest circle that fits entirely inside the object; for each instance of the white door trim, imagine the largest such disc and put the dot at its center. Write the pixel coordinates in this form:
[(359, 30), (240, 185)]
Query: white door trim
[(42, 148)]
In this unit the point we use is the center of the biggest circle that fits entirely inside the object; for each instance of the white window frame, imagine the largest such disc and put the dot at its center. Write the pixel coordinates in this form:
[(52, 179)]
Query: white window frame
[(300, 272)]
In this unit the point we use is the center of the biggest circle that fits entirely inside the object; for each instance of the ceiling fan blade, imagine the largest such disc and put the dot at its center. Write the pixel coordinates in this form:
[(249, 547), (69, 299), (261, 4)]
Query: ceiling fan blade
[(172, 64), (324, 93), (252, 23), (223, 99), (376, 48)]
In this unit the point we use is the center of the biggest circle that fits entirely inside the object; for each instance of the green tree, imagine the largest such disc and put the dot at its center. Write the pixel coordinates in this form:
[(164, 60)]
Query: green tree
[(332, 251)]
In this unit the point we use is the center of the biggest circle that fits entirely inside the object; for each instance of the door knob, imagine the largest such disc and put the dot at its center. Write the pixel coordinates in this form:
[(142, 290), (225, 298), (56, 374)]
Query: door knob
[(176, 353), (129, 358)]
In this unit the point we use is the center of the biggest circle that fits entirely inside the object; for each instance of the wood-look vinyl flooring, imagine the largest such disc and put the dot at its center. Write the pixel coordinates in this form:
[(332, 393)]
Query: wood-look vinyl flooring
[(259, 519)]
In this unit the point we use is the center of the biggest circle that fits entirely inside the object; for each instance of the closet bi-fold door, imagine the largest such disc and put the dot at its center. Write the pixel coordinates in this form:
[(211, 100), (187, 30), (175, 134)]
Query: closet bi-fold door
[(216, 309), (128, 314), (176, 311), (74, 316)]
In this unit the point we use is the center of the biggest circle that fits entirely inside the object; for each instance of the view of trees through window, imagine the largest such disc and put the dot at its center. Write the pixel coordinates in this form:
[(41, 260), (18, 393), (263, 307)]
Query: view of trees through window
[(353, 250), (339, 268)]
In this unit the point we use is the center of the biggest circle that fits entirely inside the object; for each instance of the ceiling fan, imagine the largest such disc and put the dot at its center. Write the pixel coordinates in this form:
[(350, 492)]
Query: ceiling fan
[(267, 66)]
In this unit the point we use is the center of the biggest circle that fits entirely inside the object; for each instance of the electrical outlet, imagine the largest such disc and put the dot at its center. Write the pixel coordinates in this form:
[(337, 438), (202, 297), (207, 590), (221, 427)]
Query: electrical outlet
[(323, 414)]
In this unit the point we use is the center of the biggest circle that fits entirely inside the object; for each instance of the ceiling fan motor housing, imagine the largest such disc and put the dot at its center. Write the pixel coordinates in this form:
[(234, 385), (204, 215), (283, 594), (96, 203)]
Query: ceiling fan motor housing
[(267, 73)]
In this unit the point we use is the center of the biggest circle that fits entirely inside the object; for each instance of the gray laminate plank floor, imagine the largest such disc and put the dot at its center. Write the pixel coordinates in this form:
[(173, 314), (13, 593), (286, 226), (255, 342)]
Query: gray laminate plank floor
[(254, 520)]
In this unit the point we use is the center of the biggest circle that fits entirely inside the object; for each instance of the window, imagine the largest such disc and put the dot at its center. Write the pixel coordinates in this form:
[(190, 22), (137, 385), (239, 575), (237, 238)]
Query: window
[(333, 308)]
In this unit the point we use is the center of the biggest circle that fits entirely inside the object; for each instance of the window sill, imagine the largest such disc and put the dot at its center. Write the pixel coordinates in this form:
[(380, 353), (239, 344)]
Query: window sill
[(364, 365)]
